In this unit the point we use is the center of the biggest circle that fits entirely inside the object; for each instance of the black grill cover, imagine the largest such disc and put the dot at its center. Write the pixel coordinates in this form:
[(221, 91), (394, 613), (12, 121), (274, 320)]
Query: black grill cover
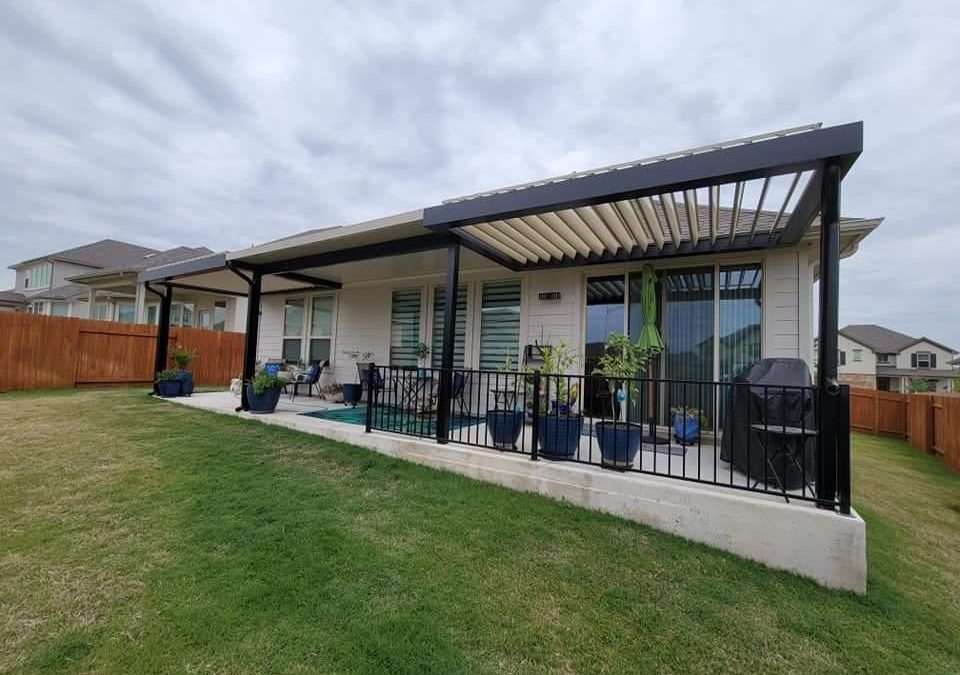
[(749, 403)]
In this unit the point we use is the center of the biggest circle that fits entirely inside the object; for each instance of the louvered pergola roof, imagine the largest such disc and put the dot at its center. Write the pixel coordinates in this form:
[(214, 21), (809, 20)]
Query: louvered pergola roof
[(744, 194)]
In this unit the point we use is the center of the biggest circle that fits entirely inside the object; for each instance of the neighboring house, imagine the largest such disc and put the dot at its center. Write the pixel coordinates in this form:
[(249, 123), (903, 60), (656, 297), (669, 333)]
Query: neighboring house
[(43, 282), (115, 294), (99, 281), (11, 301), (874, 357)]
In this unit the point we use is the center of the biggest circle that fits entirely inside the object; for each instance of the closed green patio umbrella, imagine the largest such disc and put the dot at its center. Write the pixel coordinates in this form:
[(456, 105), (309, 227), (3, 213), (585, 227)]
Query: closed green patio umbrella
[(650, 339), (649, 335)]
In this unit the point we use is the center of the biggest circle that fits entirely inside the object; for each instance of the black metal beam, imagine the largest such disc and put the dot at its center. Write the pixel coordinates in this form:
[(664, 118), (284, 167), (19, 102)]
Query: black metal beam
[(424, 242), (163, 331), (205, 289), (806, 209), (207, 263), (250, 339), (233, 267), (449, 335), (314, 281), (478, 247), (703, 247), (789, 154), (829, 388)]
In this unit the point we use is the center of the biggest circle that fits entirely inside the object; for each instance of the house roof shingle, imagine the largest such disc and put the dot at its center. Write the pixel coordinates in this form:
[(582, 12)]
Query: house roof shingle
[(12, 297), (103, 253), (155, 259), (883, 340)]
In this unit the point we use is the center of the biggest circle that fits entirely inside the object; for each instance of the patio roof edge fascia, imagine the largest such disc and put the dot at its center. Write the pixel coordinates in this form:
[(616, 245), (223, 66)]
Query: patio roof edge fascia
[(426, 242), (324, 234), (208, 263), (787, 154)]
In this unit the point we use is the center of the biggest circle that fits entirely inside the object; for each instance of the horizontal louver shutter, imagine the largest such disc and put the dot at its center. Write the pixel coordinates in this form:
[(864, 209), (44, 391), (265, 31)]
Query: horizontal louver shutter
[(933, 360), (500, 325), (460, 333), (913, 360), (405, 327)]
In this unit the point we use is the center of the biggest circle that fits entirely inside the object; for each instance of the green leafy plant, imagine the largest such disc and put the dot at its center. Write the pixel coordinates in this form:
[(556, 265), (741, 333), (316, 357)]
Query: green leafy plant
[(557, 361), (421, 350), (692, 413), (166, 376), (622, 361), (918, 386), (264, 381), (181, 356)]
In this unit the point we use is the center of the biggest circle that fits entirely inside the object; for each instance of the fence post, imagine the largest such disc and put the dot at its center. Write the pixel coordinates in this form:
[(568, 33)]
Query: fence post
[(371, 396), (535, 426)]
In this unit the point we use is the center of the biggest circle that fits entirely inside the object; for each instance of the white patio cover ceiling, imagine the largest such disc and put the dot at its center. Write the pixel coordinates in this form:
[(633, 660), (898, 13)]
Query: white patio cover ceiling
[(715, 214)]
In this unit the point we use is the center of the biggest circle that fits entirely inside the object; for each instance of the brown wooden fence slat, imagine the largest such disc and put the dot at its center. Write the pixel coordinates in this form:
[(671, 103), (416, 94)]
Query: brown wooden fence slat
[(929, 422), (43, 352)]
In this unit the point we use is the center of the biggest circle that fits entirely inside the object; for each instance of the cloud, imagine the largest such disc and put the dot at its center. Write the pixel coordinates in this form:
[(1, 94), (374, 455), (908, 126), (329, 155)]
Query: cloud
[(226, 124)]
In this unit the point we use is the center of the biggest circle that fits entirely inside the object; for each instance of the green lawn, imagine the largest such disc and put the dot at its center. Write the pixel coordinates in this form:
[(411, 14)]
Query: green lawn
[(140, 537)]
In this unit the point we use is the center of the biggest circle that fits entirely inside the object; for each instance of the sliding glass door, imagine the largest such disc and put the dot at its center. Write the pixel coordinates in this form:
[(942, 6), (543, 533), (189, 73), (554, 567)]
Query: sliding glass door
[(606, 302)]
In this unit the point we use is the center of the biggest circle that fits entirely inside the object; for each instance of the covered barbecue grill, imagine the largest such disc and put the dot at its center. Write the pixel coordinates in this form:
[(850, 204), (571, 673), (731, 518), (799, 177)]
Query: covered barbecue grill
[(770, 424)]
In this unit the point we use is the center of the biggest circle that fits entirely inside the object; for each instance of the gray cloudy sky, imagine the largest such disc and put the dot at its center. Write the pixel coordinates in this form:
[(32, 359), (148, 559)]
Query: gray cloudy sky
[(230, 123)]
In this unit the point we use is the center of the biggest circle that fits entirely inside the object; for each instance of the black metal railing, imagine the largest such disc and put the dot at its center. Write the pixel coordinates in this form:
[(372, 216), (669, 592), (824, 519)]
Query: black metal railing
[(759, 438)]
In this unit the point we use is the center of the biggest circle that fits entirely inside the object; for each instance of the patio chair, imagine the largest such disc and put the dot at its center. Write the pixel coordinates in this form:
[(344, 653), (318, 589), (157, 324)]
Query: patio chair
[(307, 378), (457, 392), (379, 383)]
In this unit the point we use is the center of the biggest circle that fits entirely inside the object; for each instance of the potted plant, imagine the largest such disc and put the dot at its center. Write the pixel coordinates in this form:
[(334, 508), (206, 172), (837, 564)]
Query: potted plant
[(353, 391), (181, 357), (332, 392), (560, 427), (620, 364), (687, 423), (263, 392), (168, 385), (505, 420), (422, 351)]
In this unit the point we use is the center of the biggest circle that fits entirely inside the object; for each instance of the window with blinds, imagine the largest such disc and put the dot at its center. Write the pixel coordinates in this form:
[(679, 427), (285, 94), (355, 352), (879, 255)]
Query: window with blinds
[(292, 330), (500, 325), (460, 332), (321, 328), (405, 327), (740, 318)]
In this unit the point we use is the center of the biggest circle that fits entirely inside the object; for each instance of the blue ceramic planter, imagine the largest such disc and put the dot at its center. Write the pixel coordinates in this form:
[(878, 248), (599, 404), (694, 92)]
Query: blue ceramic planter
[(619, 443), (504, 427), (685, 429), (264, 403), (185, 378), (560, 435), (352, 393), (168, 389)]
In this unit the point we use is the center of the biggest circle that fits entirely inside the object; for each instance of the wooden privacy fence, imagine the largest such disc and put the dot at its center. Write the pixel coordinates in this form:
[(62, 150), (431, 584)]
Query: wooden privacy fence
[(45, 352), (930, 422)]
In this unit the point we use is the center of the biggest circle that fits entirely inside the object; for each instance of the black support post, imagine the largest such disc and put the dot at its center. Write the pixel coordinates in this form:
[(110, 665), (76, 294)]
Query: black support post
[(830, 399), (250, 341), (163, 330), (449, 335)]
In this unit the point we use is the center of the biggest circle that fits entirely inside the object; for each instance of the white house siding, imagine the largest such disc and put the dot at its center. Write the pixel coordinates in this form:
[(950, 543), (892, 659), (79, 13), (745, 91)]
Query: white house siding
[(943, 356), (868, 366), (550, 321), (782, 299), (362, 311)]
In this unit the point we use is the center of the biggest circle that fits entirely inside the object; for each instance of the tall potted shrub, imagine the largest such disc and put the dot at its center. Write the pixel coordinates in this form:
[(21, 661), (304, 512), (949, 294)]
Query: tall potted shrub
[(621, 363), (181, 357), (559, 426), (263, 392), (505, 420)]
